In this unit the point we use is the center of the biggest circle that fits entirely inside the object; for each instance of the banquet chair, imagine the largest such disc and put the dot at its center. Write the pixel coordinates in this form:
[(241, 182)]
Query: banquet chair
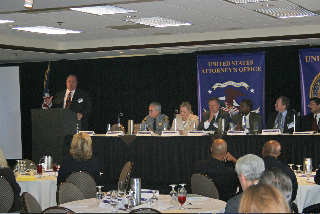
[(201, 184), (126, 173), (145, 210), (68, 192), (85, 182), (6, 195), (30, 204), (312, 209), (57, 209)]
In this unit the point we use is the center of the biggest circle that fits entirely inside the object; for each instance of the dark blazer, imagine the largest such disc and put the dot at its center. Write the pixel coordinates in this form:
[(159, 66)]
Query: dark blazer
[(271, 162), (317, 177), (81, 103), (233, 204), (253, 117), (8, 174), (289, 119), (206, 115), (307, 121)]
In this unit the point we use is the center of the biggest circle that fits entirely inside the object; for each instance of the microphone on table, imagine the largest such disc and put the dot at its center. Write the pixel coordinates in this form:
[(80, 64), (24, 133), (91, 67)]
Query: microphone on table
[(175, 119)]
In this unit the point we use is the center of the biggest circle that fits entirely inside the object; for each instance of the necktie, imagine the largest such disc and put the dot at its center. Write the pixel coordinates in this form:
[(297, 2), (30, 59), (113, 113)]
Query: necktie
[(68, 101), (314, 124), (154, 124), (279, 120)]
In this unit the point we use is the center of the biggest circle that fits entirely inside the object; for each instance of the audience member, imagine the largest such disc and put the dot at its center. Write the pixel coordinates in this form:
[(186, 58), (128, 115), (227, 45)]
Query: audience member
[(75, 99), (209, 119), (225, 178), (263, 198), (7, 172), (186, 120), (80, 159), (249, 169), (317, 177), (283, 118), (310, 121), (245, 109), (156, 121), (270, 153)]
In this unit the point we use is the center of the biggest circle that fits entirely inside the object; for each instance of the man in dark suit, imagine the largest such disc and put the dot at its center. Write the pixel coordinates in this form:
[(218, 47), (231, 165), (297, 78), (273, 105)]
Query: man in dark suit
[(209, 119), (270, 153), (245, 109), (225, 178), (310, 121), (75, 99), (283, 118)]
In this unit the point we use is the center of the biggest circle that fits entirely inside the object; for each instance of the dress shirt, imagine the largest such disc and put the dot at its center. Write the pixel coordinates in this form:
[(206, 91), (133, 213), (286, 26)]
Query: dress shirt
[(284, 114), (207, 123), (317, 116), (66, 97)]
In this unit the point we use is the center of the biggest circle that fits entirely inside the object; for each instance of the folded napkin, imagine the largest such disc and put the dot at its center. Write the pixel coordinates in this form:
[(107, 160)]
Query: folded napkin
[(26, 178), (147, 193)]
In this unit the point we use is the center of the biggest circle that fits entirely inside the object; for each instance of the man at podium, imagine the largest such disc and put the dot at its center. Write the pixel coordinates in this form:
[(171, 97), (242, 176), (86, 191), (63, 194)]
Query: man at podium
[(74, 99)]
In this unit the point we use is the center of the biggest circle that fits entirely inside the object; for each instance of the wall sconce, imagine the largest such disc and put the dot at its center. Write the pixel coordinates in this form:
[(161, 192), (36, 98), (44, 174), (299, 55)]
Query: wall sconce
[(28, 4)]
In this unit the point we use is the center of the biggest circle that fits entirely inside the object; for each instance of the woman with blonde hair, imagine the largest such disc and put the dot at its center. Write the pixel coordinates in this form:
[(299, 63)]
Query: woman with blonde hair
[(263, 198), (80, 159), (7, 172), (186, 120)]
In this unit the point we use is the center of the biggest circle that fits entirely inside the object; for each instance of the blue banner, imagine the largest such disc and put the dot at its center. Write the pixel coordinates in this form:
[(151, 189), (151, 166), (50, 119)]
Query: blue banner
[(231, 78), (309, 76)]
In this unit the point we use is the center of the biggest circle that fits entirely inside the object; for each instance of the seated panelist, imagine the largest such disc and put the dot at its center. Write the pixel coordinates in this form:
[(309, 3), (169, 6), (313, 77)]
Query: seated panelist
[(310, 122), (186, 121), (245, 109)]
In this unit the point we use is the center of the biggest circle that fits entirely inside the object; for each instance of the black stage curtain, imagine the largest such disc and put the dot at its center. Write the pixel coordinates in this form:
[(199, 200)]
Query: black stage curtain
[(128, 85)]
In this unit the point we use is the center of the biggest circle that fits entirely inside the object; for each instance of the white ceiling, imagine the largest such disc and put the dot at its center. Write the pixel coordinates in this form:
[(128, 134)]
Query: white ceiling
[(216, 24)]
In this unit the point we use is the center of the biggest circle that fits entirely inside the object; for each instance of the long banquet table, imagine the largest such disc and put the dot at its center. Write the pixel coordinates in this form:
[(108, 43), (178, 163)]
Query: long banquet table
[(160, 161)]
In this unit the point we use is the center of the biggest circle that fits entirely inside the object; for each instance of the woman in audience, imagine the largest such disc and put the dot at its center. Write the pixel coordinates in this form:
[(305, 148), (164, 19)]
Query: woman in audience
[(80, 159), (7, 172), (186, 120), (263, 198)]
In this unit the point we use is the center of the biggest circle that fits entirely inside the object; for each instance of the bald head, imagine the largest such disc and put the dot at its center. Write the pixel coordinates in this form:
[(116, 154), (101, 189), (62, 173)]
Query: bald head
[(271, 148), (218, 148)]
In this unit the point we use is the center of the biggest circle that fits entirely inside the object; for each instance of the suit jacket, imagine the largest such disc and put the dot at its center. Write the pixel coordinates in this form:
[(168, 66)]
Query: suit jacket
[(253, 117), (271, 162), (307, 121), (192, 119), (233, 204), (206, 115), (81, 103), (289, 119)]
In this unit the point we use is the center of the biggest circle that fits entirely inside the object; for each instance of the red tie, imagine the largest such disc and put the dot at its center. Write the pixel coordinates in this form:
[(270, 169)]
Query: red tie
[(68, 100), (314, 124)]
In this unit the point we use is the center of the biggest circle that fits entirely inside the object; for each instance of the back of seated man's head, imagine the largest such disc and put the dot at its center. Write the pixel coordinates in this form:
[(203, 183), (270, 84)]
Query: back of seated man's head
[(271, 148), (278, 179), (251, 166), (218, 148)]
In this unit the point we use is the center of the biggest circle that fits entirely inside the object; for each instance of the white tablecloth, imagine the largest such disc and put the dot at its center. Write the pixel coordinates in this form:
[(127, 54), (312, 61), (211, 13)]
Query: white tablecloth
[(207, 205), (308, 193), (43, 189)]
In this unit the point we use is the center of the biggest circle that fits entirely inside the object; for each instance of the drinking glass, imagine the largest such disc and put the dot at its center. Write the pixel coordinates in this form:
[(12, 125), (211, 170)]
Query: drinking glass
[(114, 199), (154, 197), (99, 195), (39, 170), (173, 194), (55, 169), (108, 127), (291, 165), (308, 173), (182, 196), (255, 128), (298, 170), (121, 188), (231, 126)]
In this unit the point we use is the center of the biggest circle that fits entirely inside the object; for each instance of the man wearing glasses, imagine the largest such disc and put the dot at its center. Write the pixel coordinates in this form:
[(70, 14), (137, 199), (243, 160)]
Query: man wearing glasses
[(310, 121), (156, 121)]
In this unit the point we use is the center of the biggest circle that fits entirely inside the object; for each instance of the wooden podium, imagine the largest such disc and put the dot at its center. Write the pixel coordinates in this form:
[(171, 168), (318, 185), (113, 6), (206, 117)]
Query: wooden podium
[(50, 129)]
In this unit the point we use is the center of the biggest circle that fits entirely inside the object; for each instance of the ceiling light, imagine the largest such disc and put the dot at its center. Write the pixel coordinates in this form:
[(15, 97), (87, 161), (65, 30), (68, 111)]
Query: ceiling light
[(245, 1), (103, 10), (157, 22), (46, 30), (5, 21), (287, 12), (28, 4)]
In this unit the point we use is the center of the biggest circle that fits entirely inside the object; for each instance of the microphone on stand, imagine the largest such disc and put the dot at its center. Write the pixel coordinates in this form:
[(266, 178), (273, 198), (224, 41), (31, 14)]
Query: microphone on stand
[(119, 115)]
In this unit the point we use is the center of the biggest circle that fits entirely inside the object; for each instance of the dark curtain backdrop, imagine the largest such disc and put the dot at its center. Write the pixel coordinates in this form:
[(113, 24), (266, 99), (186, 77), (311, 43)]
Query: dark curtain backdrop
[(128, 85)]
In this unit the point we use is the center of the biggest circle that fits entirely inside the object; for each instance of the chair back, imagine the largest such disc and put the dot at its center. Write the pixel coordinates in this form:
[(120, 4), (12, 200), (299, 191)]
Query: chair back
[(312, 209), (6, 195), (57, 209), (126, 173), (201, 184), (85, 182), (30, 204), (68, 192), (145, 210)]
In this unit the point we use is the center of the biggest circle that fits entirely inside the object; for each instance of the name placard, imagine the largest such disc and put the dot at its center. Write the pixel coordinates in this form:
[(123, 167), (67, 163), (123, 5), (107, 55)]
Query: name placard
[(233, 132), (195, 133), (303, 133), (145, 133), (115, 133), (170, 133), (88, 132), (271, 132)]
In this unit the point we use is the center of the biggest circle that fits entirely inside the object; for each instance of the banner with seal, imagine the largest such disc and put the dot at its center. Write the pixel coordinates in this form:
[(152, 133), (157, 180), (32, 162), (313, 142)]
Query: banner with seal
[(309, 76), (231, 78)]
